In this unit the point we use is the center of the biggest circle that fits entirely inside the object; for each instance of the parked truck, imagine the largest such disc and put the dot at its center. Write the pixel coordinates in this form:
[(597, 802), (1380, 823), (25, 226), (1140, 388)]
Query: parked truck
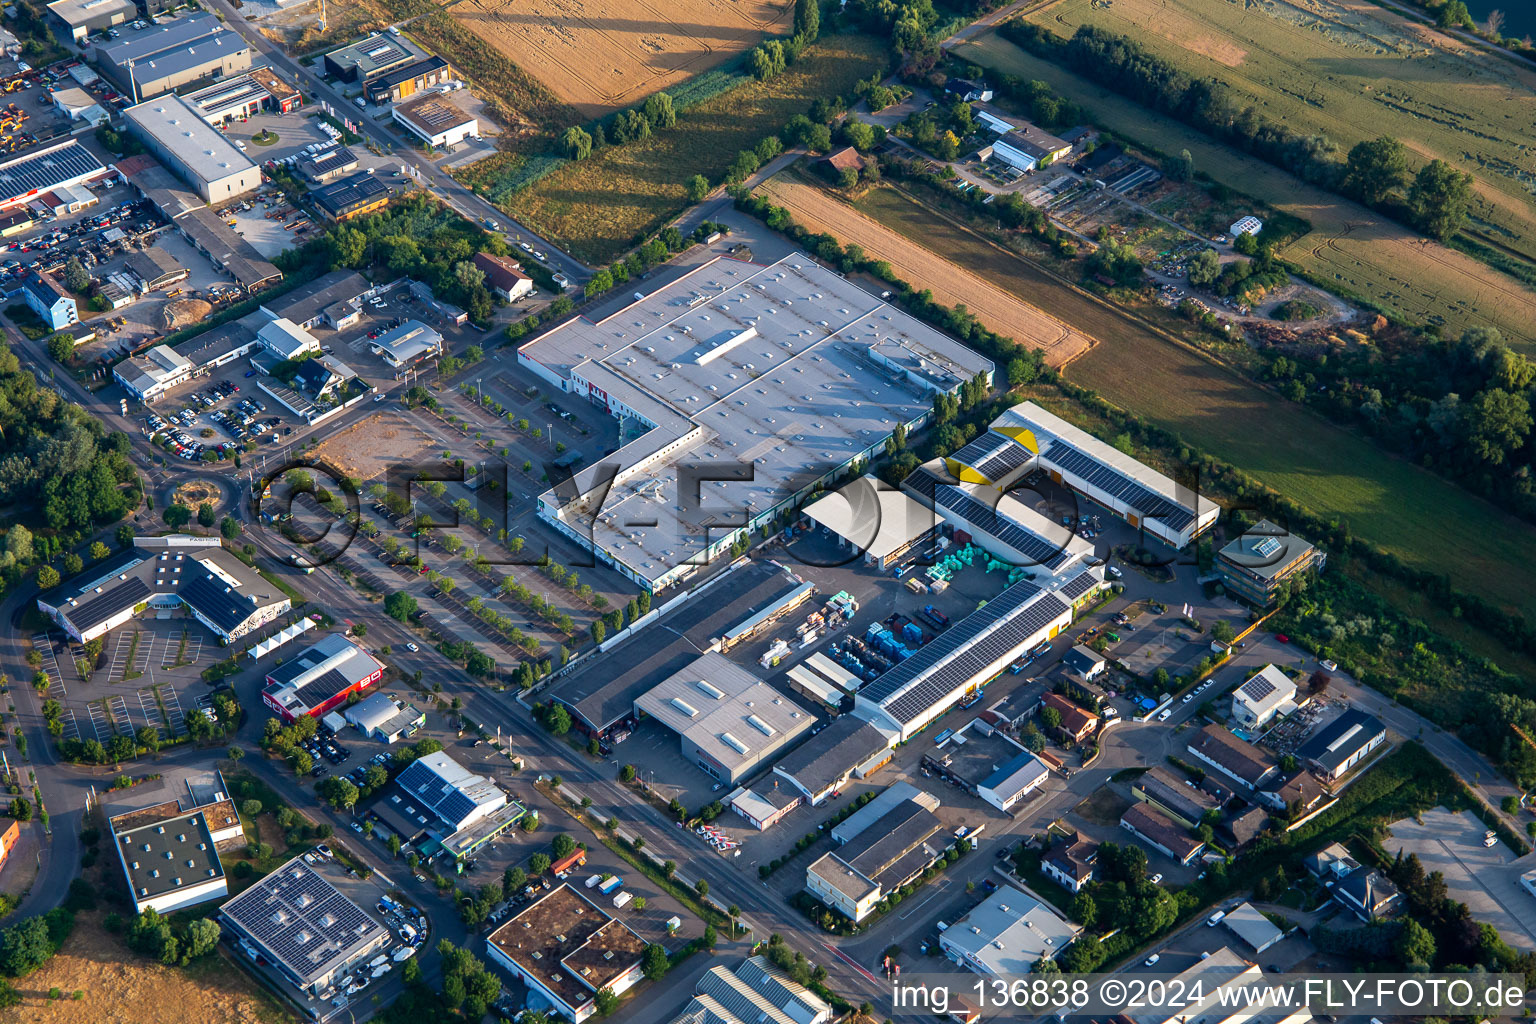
[(933, 615), (611, 886), (621, 900)]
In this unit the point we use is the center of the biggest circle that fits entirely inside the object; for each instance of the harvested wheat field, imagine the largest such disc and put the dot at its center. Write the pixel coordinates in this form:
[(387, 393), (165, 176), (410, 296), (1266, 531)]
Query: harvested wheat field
[(951, 286), (601, 55), (120, 987)]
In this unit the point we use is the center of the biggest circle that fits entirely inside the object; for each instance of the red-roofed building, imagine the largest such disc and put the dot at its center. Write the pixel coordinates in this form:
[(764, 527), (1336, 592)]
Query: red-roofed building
[(504, 276)]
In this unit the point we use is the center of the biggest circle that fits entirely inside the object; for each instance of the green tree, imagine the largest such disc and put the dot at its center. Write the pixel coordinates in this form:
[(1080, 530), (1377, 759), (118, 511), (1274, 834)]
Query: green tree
[(807, 21), (229, 528), (1439, 197), (600, 282), (47, 577), (558, 719), (62, 347), (1454, 14), (1205, 268), (576, 143), (659, 111), (176, 515), (205, 516), (655, 964), (1375, 169), (697, 188), (1415, 944), (76, 277), (400, 605), (538, 863), (1222, 632)]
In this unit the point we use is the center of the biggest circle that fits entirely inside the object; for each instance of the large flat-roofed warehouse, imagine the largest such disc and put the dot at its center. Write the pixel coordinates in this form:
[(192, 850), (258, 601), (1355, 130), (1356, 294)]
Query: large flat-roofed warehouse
[(568, 949), (787, 370), (989, 764), (71, 21), (169, 56), (600, 689), (302, 924), (969, 653), (320, 678), (1007, 933), (441, 807), (1100, 472), (729, 722), (198, 153), (437, 121), (170, 862), (220, 591), (822, 764), (374, 55), (44, 169)]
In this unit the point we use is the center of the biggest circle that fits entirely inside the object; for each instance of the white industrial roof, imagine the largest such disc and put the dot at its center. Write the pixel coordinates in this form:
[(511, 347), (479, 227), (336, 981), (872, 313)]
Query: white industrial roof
[(177, 126), (1007, 932), (787, 370), (872, 516)]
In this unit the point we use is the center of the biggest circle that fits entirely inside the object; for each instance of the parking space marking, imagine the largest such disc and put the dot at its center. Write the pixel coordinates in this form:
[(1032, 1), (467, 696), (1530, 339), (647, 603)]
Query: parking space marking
[(151, 709), (194, 647), (44, 643), (176, 722), (118, 708), (145, 652), (119, 653), (71, 727), (100, 725)]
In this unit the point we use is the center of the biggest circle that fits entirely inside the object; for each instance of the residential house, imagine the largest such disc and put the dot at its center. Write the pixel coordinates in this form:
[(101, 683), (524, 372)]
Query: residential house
[(1069, 862)]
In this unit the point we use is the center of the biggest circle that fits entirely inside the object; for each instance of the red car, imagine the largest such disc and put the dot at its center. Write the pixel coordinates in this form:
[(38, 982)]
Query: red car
[(1282, 638)]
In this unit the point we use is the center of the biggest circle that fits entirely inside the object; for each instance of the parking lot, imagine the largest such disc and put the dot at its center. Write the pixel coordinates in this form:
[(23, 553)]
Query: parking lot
[(1485, 878)]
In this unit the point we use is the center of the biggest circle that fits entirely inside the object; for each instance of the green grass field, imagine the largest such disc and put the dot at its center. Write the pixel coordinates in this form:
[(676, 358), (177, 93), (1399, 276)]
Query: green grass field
[(602, 206), (1408, 511), (1349, 248), (1351, 71)]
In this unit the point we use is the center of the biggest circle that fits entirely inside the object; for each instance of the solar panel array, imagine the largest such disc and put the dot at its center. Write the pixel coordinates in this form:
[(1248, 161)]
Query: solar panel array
[(445, 800), (993, 455), (1116, 484), (956, 656), (1036, 549), (974, 453), (302, 920), (1077, 586), (1259, 687), (44, 170)]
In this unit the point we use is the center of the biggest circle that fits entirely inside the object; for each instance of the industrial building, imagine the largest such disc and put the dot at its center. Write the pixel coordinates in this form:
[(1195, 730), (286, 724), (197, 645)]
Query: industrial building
[(989, 764), (407, 344), (437, 121), (169, 855), (1260, 564), (381, 718), (71, 21), (171, 128), (353, 196), (375, 55), (44, 296), (1160, 832), (78, 105), (824, 763), (319, 678), (172, 55), (155, 268), (324, 168), (600, 689), (1266, 695), (786, 367), (567, 949), (1248, 923), (879, 857), (1007, 933), (1106, 476), (1225, 989), (47, 169), (150, 375), (200, 226), (245, 96), (299, 922), (969, 653), (765, 804), (728, 721), (220, 591), (755, 992), (1335, 748), (1027, 148), (881, 524), (407, 80), (442, 808), (331, 300)]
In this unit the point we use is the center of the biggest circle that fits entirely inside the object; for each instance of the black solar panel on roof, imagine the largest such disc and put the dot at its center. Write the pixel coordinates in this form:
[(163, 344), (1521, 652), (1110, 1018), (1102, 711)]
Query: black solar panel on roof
[(1004, 461), (923, 482), (982, 448), (322, 688), (1116, 484), (115, 596), (1077, 586), (42, 171), (1258, 687), (221, 604), (1036, 550), (301, 919)]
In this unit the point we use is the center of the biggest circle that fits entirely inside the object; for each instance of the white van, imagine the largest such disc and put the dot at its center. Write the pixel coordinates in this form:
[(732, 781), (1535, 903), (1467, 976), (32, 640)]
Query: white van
[(1215, 919)]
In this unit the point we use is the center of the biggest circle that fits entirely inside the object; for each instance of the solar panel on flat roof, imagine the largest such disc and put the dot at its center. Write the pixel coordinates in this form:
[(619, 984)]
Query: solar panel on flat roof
[(42, 171), (1077, 586), (981, 448), (1267, 547), (1004, 460), (301, 919), (1036, 549), (1258, 687)]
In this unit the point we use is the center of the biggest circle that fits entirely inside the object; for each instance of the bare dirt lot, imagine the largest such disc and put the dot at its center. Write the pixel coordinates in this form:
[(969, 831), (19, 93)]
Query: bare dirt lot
[(950, 285), (124, 988), (600, 55), (367, 448)]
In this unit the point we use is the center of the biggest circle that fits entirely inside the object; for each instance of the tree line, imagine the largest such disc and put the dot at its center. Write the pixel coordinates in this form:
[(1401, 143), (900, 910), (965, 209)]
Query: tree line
[(1436, 199)]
